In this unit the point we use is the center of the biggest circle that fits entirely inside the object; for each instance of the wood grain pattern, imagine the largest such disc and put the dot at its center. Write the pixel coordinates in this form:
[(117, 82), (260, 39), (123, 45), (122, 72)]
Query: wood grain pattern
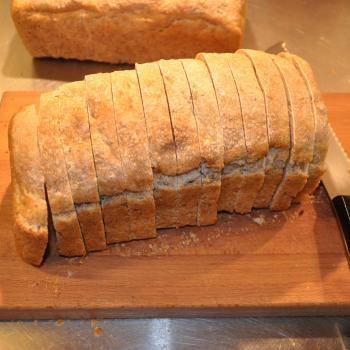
[(290, 263)]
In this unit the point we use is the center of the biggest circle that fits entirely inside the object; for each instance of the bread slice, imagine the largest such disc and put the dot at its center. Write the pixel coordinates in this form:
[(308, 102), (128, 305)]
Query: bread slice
[(106, 151), (161, 143), (255, 130), (302, 135), (76, 142), (134, 150), (232, 124), (28, 192), (276, 106), (65, 220), (316, 167), (210, 137), (188, 157)]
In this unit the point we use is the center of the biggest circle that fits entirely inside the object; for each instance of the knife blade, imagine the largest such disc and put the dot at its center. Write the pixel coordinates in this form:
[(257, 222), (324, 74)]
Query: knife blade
[(336, 180)]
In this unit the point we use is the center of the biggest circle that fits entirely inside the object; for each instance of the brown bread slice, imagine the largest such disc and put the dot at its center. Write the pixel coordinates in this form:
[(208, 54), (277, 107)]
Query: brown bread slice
[(188, 158), (277, 115), (255, 130), (28, 192), (316, 167), (76, 141), (65, 220), (134, 150), (161, 143), (302, 135), (210, 137), (106, 151), (232, 124)]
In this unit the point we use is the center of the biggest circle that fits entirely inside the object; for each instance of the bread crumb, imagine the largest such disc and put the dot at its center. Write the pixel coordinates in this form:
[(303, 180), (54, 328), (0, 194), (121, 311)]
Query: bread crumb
[(59, 323), (98, 331), (70, 274), (259, 220)]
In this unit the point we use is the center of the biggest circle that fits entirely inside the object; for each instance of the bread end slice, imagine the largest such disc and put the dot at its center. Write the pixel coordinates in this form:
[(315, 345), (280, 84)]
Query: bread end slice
[(29, 203)]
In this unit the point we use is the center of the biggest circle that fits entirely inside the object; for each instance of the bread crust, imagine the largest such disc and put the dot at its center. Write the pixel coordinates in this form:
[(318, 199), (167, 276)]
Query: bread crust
[(277, 115), (232, 125), (28, 193), (76, 142), (302, 135), (161, 143), (255, 130), (188, 157), (107, 158), (122, 31), (210, 137), (132, 135), (68, 234), (316, 167)]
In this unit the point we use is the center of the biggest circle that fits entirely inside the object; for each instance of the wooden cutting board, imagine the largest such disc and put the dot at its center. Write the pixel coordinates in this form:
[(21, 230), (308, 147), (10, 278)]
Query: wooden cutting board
[(289, 263)]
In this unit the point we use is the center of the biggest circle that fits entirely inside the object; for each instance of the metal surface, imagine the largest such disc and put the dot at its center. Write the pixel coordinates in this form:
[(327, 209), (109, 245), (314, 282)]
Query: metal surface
[(318, 31), (337, 176)]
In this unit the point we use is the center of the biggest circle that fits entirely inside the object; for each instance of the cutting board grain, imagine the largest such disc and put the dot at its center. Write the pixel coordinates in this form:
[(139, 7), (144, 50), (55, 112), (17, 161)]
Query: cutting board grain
[(289, 263)]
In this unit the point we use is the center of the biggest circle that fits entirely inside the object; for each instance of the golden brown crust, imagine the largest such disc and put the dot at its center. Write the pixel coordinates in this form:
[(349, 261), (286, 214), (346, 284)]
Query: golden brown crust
[(68, 234), (132, 135), (161, 143), (188, 157), (255, 130), (76, 142), (107, 158), (277, 115), (232, 125), (316, 167), (302, 135), (121, 31), (210, 137), (28, 193)]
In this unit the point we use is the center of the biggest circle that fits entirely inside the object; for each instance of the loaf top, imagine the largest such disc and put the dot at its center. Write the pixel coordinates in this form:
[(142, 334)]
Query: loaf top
[(223, 10)]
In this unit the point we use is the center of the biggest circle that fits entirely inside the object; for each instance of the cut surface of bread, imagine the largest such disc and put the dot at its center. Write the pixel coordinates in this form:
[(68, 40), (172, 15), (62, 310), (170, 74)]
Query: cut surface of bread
[(232, 125), (277, 116), (302, 135), (316, 167), (76, 141), (29, 204), (134, 150), (210, 137), (65, 220), (188, 157), (161, 143), (255, 130), (106, 151)]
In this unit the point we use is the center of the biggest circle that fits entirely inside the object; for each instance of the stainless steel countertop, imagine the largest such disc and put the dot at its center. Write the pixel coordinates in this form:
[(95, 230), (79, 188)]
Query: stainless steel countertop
[(318, 31)]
